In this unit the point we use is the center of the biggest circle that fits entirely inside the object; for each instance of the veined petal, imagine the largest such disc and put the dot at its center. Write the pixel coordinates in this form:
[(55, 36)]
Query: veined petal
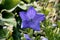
[(27, 37), (23, 15), (25, 24), (35, 26), (39, 17), (31, 12)]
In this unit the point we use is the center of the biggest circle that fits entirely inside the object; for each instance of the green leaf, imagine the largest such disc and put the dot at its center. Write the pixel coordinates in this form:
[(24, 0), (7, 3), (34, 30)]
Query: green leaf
[(3, 33), (7, 14), (3, 39), (16, 34), (2, 1), (11, 38), (9, 4), (45, 11), (58, 23), (24, 7), (10, 21), (37, 38), (1, 22), (28, 1)]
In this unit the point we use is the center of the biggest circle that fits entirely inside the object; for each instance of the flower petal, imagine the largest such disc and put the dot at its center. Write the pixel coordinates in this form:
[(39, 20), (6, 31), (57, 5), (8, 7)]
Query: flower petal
[(31, 12), (39, 17), (25, 24), (43, 38), (27, 37), (35, 26), (23, 15)]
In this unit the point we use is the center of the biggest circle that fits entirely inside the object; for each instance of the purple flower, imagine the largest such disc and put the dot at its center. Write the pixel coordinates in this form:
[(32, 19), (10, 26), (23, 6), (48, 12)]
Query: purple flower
[(26, 36), (31, 19)]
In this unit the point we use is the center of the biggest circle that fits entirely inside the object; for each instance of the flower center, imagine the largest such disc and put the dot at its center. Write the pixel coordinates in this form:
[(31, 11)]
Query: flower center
[(31, 20)]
